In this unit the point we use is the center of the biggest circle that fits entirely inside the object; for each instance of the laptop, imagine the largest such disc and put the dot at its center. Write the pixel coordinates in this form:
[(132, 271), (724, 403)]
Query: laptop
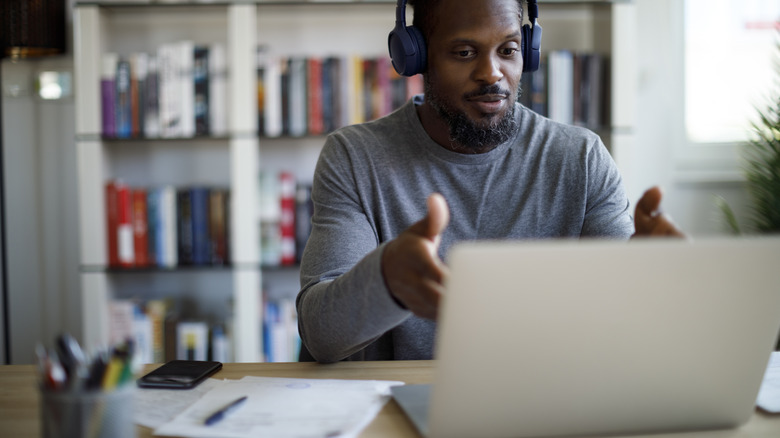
[(573, 338)]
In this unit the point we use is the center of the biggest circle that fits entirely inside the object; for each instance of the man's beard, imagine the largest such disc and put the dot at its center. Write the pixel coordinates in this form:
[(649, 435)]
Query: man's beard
[(470, 135)]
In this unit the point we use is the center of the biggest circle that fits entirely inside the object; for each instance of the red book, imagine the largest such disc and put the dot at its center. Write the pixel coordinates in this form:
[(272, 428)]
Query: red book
[(111, 223), (314, 76), (287, 221), (124, 227), (140, 228)]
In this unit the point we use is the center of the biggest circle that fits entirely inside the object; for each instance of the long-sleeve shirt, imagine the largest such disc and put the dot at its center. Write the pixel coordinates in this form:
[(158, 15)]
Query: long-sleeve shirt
[(371, 182)]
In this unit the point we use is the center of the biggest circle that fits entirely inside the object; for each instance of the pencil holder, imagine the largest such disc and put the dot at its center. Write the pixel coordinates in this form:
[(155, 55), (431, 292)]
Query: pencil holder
[(88, 414)]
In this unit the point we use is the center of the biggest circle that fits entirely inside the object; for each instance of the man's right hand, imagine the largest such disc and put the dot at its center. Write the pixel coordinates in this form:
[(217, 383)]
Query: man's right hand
[(411, 266)]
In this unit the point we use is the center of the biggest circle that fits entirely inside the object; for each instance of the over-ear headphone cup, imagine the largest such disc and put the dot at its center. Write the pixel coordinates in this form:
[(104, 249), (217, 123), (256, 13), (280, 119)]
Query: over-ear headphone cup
[(525, 46), (407, 50), (421, 59)]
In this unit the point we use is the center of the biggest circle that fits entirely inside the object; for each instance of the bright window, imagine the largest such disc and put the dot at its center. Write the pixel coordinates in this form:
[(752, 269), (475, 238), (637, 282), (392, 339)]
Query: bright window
[(732, 65)]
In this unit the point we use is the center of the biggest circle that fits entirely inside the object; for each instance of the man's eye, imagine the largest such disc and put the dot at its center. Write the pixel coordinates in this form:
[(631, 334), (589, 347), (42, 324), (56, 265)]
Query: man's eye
[(509, 51), (464, 53)]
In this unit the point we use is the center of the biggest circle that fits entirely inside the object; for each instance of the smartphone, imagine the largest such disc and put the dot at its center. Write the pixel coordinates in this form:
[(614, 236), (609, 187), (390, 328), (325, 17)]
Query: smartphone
[(179, 374)]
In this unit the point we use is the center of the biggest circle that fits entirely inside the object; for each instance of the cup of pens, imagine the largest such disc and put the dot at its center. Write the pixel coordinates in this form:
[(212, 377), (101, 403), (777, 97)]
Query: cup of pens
[(86, 397)]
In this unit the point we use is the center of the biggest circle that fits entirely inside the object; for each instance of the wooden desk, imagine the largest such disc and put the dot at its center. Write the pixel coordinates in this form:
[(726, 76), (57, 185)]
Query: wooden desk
[(19, 397)]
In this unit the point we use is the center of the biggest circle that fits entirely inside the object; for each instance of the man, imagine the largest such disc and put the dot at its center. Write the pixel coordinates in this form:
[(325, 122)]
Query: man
[(373, 270)]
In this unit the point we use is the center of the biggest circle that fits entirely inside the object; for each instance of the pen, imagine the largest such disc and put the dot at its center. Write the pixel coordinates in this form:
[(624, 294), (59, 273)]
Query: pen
[(220, 414)]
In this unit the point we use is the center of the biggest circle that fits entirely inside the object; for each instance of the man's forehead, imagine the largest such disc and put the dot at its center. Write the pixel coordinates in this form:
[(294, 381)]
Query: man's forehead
[(456, 17)]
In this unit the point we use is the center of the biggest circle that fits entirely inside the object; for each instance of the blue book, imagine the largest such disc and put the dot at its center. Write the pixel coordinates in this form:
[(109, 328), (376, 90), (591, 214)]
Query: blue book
[(201, 244)]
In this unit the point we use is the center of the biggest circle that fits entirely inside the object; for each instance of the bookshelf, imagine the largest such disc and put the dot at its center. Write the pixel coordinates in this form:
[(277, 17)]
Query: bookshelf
[(235, 159)]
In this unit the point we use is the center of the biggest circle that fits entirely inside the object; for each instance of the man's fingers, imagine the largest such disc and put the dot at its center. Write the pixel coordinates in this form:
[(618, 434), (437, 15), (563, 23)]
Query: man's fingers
[(649, 203), (434, 223)]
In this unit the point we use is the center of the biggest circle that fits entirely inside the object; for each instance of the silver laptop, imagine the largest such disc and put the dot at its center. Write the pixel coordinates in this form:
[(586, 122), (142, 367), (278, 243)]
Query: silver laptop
[(600, 337)]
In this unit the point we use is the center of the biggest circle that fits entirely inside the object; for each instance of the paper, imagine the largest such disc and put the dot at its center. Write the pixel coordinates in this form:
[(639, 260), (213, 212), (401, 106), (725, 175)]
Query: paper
[(769, 394), (282, 408), (155, 407)]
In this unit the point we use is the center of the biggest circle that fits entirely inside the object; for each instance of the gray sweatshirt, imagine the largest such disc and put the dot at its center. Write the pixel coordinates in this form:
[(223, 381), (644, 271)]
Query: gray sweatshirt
[(371, 182)]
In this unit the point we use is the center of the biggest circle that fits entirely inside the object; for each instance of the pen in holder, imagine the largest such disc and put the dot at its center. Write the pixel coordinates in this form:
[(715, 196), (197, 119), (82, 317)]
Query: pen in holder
[(82, 398)]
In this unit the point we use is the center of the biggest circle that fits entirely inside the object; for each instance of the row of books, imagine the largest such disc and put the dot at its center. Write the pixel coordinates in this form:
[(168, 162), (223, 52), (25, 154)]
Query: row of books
[(300, 96), (281, 340), (285, 218), (178, 91), (161, 335), (167, 226), (570, 87)]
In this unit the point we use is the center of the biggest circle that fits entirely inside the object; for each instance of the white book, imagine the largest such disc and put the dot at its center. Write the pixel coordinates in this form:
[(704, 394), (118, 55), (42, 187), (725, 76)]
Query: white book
[(561, 86), (218, 112), (167, 208), (170, 103), (186, 52), (297, 93), (272, 97), (152, 109)]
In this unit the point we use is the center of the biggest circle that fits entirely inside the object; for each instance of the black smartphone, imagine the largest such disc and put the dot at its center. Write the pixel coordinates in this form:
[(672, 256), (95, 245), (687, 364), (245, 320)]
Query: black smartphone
[(179, 374)]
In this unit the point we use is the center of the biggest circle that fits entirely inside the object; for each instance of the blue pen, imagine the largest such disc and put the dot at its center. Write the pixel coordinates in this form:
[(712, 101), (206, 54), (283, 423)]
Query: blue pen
[(220, 414)]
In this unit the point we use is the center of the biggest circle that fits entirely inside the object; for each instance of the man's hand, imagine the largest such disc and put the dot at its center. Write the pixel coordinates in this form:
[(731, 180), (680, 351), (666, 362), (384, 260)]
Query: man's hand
[(648, 219), (411, 266)]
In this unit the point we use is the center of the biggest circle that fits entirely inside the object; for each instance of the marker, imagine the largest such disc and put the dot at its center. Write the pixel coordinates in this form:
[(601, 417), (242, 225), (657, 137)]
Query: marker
[(220, 414)]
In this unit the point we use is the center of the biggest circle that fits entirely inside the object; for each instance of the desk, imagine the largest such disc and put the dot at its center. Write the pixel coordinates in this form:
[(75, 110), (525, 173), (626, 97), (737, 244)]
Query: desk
[(19, 397)]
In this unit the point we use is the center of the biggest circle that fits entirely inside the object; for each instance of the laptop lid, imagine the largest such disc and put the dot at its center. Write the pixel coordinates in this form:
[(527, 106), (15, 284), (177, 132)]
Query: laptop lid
[(599, 337)]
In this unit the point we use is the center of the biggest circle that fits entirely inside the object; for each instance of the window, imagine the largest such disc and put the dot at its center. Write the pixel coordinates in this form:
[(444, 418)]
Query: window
[(732, 63)]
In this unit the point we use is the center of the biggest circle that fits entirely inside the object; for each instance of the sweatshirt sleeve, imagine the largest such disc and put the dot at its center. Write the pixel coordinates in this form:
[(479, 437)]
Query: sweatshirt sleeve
[(344, 304)]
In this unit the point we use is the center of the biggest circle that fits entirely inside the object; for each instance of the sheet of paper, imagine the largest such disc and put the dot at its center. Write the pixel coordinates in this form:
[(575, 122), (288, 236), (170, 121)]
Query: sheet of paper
[(769, 394), (285, 408), (155, 407)]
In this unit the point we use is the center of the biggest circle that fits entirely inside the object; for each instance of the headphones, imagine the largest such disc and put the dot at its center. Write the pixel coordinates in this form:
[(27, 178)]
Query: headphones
[(409, 55)]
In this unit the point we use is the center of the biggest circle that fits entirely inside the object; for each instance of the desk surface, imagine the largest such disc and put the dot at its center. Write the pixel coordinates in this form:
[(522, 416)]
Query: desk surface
[(19, 397)]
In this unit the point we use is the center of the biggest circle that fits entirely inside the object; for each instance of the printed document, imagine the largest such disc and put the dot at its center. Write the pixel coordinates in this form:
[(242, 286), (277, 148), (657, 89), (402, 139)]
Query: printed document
[(284, 407)]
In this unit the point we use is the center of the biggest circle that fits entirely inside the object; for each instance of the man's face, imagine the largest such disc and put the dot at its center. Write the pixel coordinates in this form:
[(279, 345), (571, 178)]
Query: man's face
[(474, 68)]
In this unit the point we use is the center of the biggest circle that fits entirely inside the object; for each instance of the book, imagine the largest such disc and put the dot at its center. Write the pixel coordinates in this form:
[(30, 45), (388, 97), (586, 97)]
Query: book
[(184, 227), (218, 108), (297, 97), (112, 223), (199, 215), (167, 233), (272, 96), (185, 51), (169, 91), (200, 77), (287, 218), (314, 96), (192, 340), (303, 213), (218, 232), (156, 311), (124, 227), (140, 227), (108, 94), (152, 224), (152, 100), (139, 65), (123, 104)]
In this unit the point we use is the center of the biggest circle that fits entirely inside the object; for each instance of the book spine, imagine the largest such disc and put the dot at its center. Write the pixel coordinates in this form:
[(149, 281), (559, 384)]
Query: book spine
[(152, 225), (123, 105), (108, 94), (125, 248), (200, 76), (218, 111), (140, 230), (201, 245), (287, 222), (314, 96), (152, 100), (303, 212), (186, 55), (218, 226), (168, 236), (112, 222), (184, 226)]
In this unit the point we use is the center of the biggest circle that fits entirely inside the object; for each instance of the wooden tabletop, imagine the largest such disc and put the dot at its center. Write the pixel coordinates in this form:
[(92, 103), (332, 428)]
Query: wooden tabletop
[(19, 408)]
